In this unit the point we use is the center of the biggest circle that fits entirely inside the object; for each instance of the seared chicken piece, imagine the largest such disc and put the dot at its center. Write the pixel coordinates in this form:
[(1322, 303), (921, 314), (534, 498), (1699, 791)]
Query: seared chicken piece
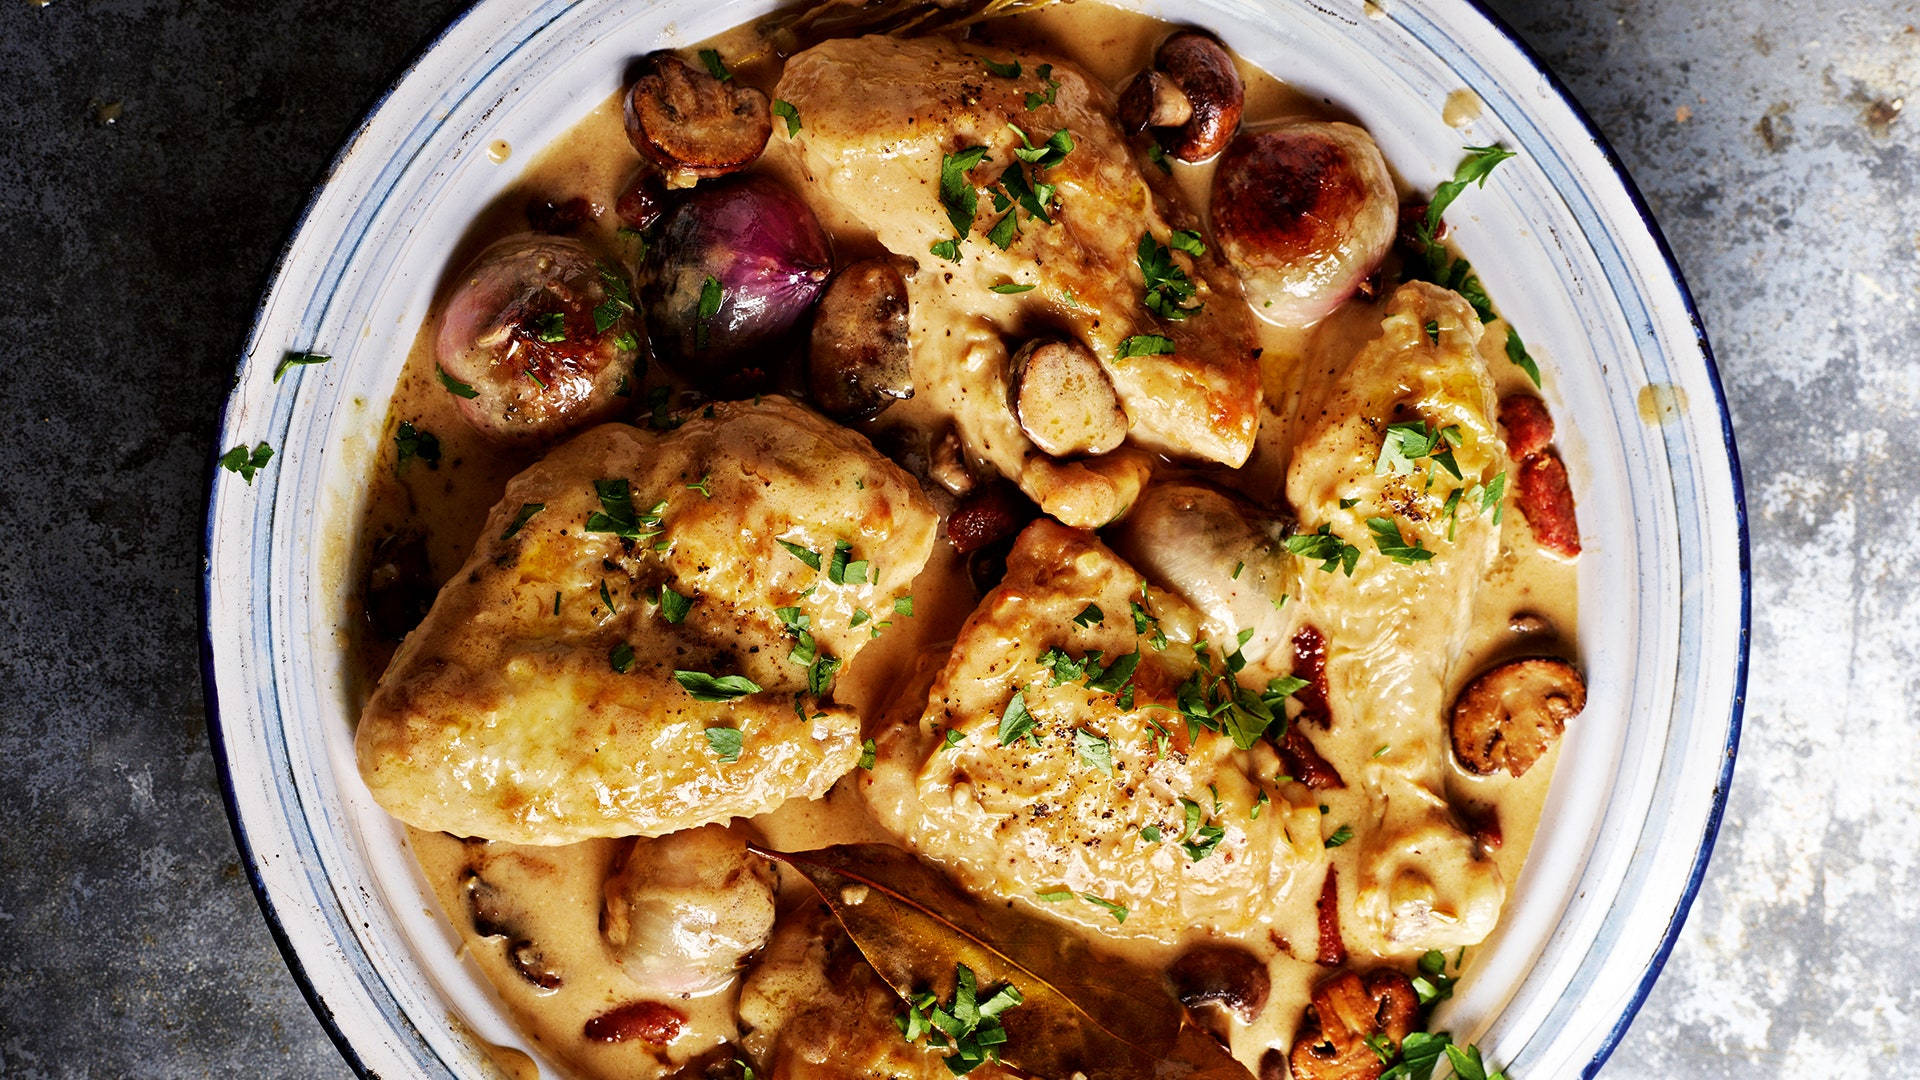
[(611, 661), (812, 1009), (881, 114), (1394, 628), (1027, 776), (1220, 555)]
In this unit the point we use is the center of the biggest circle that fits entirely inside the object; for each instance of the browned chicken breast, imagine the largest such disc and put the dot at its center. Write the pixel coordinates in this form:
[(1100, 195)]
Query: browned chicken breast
[(644, 638), (920, 144), (1052, 762)]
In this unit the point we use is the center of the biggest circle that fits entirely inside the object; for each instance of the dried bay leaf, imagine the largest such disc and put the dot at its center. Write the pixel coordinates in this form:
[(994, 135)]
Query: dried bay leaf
[(1084, 1013)]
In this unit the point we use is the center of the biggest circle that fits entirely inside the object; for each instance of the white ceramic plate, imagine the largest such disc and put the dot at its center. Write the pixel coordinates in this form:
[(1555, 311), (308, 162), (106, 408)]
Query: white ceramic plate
[(1560, 238)]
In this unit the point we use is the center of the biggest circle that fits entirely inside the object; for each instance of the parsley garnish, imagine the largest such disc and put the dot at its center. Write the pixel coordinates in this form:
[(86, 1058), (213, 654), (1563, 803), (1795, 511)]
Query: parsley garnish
[(1158, 156), (946, 249), (619, 301), (1118, 911), (957, 194), (616, 514), (1340, 836), (968, 1026), (1008, 70), (953, 739), (726, 742), (1090, 615), (606, 598), (1387, 537), (710, 297), (1196, 839), (550, 327), (840, 571), (1324, 545), (1189, 242), (620, 658), (1054, 896), (1115, 676), (903, 605), (1405, 444), (1094, 751), (246, 462), (455, 386), (1150, 833), (527, 510), (1035, 100), (673, 606), (297, 359), (1433, 984), (1146, 345), (1168, 287), (715, 68), (704, 687), (868, 754), (1517, 352), (786, 111), (805, 555), (410, 442), (1441, 268), (1009, 288), (1016, 721), (704, 487), (1421, 1052)]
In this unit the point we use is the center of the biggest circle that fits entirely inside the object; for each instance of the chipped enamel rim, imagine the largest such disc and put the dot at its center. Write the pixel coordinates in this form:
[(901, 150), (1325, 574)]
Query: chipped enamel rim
[(1561, 238)]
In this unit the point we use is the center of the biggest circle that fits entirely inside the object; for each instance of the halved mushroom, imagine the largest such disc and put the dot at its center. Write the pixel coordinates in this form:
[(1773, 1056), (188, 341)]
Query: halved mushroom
[(858, 363), (1226, 976), (1191, 98), (1348, 1009), (1510, 715), (1063, 400), (684, 910), (1305, 211), (692, 125)]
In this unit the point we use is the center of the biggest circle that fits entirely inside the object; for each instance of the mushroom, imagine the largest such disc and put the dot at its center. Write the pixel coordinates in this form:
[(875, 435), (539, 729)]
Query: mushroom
[(684, 910), (1510, 715), (1190, 99), (1305, 212), (692, 125), (1225, 976), (1063, 400), (1347, 1009), (858, 363)]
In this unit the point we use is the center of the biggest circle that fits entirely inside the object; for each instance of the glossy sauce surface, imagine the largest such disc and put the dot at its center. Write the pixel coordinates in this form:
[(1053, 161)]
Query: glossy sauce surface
[(556, 893)]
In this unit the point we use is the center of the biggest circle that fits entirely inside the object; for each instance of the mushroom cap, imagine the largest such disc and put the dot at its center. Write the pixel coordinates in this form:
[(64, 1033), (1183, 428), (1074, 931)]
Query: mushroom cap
[(1509, 716)]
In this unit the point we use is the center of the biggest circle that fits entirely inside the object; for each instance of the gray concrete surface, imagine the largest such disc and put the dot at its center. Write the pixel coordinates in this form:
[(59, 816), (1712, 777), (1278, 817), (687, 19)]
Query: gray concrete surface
[(153, 154)]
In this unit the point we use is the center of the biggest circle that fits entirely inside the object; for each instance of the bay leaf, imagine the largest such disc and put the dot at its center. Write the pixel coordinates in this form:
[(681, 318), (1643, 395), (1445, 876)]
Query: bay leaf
[(1085, 1012)]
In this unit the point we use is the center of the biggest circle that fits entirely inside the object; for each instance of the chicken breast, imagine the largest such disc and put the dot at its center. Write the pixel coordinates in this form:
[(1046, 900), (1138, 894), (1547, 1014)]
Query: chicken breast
[(880, 115), (1051, 760), (629, 648), (1394, 628)]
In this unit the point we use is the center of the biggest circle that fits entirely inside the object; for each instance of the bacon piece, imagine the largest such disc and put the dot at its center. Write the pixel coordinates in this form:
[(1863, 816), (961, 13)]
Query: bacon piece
[(1529, 425), (1546, 498), (1333, 948), (989, 514), (648, 1021), (1304, 763)]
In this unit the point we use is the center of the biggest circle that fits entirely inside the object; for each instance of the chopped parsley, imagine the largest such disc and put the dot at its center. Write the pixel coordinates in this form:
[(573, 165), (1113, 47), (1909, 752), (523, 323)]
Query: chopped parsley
[(673, 606), (1055, 896), (945, 249), (1405, 444), (967, 1025), (410, 442), (1332, 551), (1007, 70), (550, 327), (297, 359), (1437, 265), (527, 510), (957, 194), (1168, 287), (1420, 1054), (1045, 74), (840, 570), (704, 487), (1094, 751), (1387, 537), (805, 555), (1340, 836), (620, 658), (1158, 156), (619, 301), (1433, 983), (616, 514), (1196, 839), (704, 687), (953, 739), (1517, 353), (246, 462), (1187, 241), (1146, 345), (1150, 833), (710, 296), (725, 742), (868, 754), (1118, 911), (1145, 623), (606, 598), (1010, 288), (785, 111), (903, 605), (860, 617), (1016, 722), (455, 386), (715, 67), (1090, 615)]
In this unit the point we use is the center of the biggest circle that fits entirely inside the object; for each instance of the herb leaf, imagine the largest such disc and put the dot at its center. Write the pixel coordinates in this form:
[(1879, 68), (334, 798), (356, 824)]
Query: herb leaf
[(246, 462), (410, 442), (805, 555), (1340, 836), (1118, 911), (786, 111), (1016, 721), (1168, 287), (1475, 169), (725, 743), (1035, 100), (1008, 70), (1322, 544), (527, 510), (673, 606), (715, 68), (704, 687), (1094, 751), (1090, 615), (455, 386), (1146, 345), (868, 754), (620, 658), (1387, 537), (956, 191), (297, 359)]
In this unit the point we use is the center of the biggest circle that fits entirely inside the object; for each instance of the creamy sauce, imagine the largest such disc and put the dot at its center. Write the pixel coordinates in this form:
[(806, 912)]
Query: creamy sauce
[(558, 891)]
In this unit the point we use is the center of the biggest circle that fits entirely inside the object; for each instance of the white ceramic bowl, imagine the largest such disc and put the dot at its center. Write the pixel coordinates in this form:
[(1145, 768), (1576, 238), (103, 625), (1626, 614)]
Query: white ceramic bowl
[(1560, 237)]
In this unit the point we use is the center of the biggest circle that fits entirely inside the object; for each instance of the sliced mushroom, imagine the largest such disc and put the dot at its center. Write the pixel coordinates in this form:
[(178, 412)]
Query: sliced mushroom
[(1063, 399), (947, 464), (531, 962), (1226, 976), (1347, 1009), (693, 125), (1510, 715), (1305, 211), (684, 911), (1190, 99), (858, 363)]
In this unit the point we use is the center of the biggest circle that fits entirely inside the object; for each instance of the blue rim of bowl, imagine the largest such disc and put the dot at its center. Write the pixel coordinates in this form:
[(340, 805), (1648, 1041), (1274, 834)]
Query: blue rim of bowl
[(1696, 876), (1736, 714)]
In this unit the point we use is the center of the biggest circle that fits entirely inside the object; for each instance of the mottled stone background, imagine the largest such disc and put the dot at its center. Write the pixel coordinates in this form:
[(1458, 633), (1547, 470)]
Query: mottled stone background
[(153, 154)]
